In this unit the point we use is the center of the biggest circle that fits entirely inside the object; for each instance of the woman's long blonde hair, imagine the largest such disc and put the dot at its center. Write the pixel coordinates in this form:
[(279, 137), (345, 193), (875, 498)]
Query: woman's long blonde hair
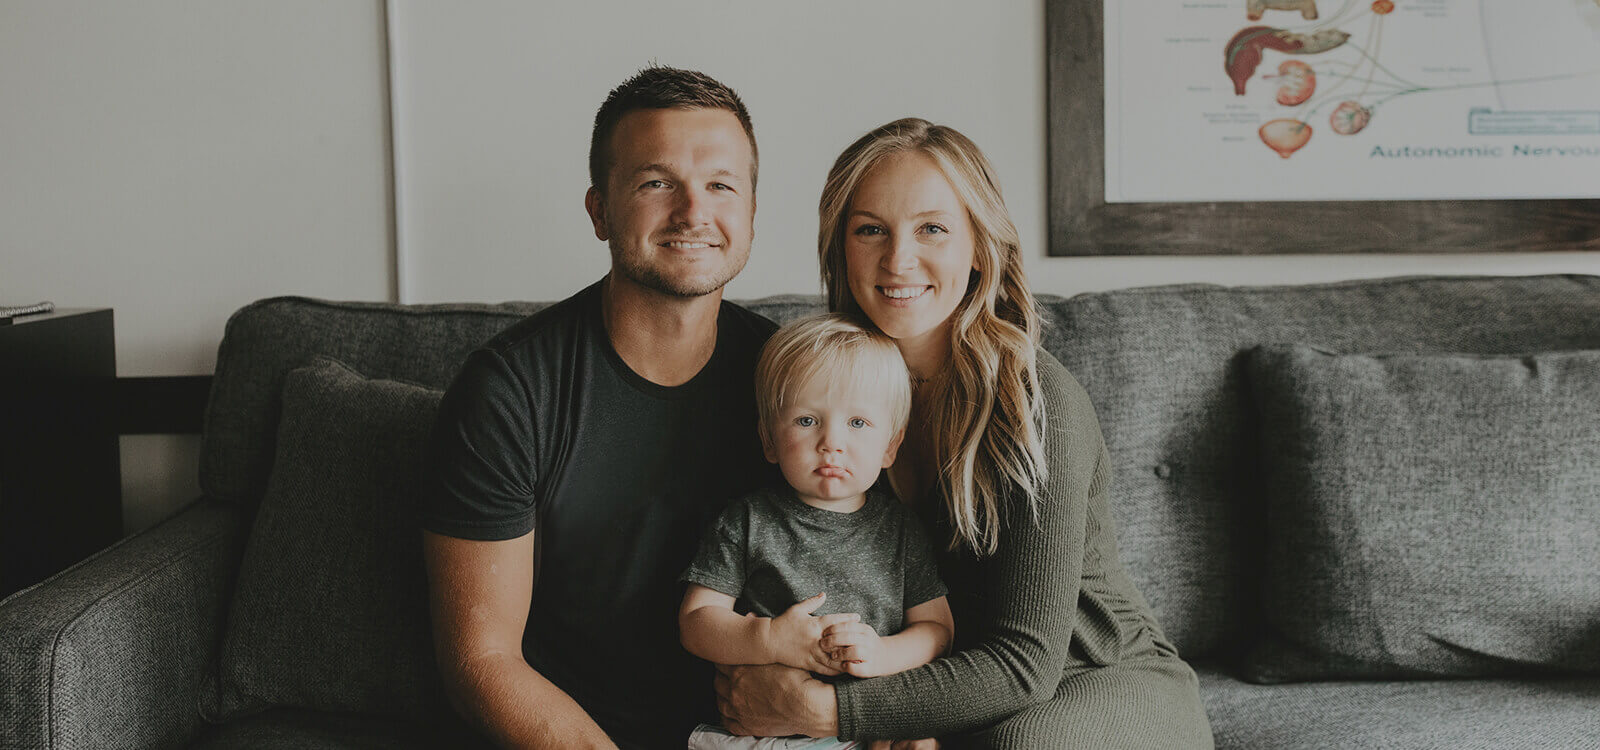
[(986, 418)]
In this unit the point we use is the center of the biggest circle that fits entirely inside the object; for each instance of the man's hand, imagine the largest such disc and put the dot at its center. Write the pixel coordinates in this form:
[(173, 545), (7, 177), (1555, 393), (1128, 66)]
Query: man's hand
[(855, 649), (772, 700), (929, 744), (796, 636)]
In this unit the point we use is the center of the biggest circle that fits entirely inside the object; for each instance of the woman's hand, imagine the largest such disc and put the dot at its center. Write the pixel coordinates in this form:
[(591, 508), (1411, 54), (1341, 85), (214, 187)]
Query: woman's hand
[(855, 649), (772, 700), (929, 744)]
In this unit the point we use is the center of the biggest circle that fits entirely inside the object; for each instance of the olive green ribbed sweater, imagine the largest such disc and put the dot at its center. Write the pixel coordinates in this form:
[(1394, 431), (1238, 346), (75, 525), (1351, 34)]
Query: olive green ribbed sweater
[(1040, 618)]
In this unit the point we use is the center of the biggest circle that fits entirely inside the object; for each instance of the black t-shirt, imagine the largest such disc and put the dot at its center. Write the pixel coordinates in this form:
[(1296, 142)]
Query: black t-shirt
[(547, 430)]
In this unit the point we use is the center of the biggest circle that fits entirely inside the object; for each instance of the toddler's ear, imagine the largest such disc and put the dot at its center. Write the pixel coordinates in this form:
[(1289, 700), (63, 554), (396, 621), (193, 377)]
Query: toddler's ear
[(766, 443), (894, 447)]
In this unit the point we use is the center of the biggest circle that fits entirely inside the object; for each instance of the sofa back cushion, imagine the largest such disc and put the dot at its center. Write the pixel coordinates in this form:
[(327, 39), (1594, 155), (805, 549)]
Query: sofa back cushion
[(1165, 368), (1163, 365), (265, 340)]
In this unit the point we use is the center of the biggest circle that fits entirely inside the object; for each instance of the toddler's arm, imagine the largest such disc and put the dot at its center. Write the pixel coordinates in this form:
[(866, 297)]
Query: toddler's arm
[(711, 630), (857, 650)]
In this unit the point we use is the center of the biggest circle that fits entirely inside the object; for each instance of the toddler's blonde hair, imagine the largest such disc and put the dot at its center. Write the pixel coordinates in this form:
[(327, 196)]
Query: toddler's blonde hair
[(835, 347)]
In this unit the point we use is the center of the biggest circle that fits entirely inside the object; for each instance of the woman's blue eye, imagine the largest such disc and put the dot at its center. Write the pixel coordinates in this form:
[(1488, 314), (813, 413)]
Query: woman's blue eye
[(805, 421), (865, 229), (858, 422), (935, 229)]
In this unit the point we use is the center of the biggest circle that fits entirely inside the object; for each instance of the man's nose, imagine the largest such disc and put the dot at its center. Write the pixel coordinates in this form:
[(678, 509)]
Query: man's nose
[(692, 208)]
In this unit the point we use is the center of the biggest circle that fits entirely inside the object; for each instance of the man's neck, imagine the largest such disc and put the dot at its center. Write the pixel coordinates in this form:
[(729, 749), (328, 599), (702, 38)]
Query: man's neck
[(665, 339)]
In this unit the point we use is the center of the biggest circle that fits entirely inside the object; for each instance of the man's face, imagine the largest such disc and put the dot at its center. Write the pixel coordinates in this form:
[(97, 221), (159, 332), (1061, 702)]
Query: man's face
[(679, 206)]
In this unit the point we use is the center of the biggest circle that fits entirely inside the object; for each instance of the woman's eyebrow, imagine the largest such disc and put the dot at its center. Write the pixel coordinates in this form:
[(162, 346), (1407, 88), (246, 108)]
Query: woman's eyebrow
[(924, 214)]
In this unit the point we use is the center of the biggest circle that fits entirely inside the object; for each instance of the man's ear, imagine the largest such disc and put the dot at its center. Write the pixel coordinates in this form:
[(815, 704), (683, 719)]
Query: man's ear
[(894, 448), (595, 204)]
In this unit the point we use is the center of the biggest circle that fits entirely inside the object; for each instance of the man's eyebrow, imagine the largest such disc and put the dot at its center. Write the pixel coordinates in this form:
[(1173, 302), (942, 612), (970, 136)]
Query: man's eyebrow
[(672, 169), (655, 166)]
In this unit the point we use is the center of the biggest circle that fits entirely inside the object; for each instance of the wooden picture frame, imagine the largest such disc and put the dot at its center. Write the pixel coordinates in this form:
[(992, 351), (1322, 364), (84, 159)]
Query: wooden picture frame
[(1082, 223)]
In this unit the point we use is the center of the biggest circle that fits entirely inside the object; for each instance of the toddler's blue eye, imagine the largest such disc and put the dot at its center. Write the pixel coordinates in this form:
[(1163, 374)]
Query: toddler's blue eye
[(805, 421), (858, 422)]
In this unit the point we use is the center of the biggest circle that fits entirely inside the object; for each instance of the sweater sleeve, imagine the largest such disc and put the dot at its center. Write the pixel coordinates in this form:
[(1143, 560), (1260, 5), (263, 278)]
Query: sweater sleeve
[(1033, 582)]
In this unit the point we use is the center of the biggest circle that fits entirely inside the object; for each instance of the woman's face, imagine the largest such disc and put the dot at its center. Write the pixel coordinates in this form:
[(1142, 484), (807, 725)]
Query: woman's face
[(909, 249)]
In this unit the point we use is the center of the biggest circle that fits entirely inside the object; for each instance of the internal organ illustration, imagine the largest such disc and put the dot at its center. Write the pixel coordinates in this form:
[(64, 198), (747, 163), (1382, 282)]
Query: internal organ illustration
[(1299, 81), (1348, 118), (1285, 136), (1382, 7), (1243, 54), (1254, 8)]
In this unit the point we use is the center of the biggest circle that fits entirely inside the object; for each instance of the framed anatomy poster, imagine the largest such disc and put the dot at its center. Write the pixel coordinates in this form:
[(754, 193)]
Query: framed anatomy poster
[(1323, 126)]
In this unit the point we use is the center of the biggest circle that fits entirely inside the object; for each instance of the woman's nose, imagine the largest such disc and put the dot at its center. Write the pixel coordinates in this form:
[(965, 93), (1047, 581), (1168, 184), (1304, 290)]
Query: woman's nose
[(900, 257)]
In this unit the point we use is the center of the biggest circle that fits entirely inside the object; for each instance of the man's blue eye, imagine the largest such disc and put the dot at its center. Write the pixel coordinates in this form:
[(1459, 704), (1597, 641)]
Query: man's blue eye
[(805, 421), (858, 422), (654, 183), (869, 229)]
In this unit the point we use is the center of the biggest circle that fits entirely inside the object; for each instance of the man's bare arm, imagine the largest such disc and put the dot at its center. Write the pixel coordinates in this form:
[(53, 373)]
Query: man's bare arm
[(479, 593)]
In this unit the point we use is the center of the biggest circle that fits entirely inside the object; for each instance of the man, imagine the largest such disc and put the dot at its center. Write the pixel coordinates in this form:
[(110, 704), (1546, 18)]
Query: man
[(580, 453)]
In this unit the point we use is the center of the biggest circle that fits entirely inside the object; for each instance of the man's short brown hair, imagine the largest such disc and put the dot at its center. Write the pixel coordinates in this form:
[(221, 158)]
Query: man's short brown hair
[(658, 87)]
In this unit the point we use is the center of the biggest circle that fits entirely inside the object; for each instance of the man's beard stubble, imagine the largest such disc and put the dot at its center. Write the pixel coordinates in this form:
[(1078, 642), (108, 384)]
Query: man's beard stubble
[(650, 277)]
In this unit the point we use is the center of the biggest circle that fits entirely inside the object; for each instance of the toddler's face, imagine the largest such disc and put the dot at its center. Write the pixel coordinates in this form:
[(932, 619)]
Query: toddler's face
[(831, 445)]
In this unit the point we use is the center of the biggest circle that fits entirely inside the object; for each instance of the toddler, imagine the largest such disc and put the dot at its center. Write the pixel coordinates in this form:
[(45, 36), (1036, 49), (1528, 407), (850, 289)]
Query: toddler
[(839, 576)]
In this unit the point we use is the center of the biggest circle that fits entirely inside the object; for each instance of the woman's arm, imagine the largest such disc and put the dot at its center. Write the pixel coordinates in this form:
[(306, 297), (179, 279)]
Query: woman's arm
[(1032, 585), (857, 650)]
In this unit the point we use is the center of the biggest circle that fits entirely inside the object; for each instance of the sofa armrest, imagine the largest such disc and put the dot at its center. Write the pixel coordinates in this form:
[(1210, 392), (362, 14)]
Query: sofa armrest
[(112, 651)]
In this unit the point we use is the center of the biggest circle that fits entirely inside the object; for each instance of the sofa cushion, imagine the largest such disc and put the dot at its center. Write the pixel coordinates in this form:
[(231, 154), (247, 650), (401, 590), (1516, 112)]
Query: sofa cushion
[(1483, 714), (1165, 368), (264, 340), (1428, 514), (330, 610)]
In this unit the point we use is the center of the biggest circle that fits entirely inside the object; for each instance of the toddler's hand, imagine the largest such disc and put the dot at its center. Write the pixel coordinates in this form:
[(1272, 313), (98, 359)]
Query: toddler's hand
[(854, 648), (797, 636)]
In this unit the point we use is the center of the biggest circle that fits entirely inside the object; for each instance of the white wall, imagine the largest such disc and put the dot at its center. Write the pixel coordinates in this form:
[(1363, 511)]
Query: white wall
[(176, 160), (496, 101)]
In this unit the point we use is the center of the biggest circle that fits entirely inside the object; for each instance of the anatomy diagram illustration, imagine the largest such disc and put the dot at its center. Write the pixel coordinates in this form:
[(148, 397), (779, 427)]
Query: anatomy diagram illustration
[(1334, 72)]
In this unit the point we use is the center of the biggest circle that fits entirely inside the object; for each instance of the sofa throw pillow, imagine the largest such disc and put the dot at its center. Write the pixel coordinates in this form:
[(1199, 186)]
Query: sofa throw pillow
[(1428, 515), (330, 609)]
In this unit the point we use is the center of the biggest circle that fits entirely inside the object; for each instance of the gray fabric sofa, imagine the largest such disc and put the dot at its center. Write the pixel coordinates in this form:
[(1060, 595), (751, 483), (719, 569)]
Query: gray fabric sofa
[(216, 628)]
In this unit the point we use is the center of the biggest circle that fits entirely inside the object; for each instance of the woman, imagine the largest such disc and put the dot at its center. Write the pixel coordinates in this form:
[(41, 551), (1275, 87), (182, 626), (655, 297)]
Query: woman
[(1005, 462)]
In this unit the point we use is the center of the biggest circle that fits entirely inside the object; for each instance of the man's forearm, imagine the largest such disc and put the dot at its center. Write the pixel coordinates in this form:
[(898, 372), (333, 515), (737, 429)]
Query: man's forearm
[(722, 636), (517, 707)]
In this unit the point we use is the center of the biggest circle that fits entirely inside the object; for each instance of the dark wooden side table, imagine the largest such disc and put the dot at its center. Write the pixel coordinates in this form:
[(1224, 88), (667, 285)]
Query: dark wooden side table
[(60, 471)]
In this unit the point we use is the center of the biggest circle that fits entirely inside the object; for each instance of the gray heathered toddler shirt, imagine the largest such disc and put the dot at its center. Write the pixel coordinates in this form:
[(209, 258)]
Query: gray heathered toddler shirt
[(769, 550)]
